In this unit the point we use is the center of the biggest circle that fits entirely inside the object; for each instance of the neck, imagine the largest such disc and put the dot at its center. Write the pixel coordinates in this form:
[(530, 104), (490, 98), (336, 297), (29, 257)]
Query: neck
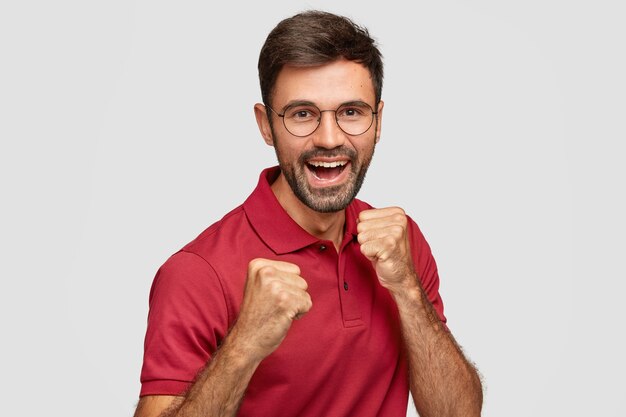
[(324, 226)]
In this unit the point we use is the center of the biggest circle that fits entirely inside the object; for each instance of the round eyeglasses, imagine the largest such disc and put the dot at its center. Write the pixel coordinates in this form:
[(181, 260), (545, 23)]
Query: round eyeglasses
[(303, 118)]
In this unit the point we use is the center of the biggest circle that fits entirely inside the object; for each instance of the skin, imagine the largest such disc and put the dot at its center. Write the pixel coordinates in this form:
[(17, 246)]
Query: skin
[(327, 86), (442, 381)]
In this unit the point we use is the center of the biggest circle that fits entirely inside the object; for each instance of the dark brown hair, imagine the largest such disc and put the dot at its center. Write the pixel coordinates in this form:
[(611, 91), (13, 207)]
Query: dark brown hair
[(315, 38)]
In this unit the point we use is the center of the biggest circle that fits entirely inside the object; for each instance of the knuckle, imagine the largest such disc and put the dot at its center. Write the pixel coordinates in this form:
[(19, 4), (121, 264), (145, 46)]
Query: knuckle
[(303, 283), (399, 218), (390, 241), (396, 231), (255, 264), (369, 248), (282, 298), (304, 302), (296, 269), (266, 271), (275, 287)]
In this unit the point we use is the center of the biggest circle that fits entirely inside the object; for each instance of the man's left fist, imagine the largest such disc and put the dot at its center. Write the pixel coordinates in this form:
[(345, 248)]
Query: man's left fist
[(384, 240)]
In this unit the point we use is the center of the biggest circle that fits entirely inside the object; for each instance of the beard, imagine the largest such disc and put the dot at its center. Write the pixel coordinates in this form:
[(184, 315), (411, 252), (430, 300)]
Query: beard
[(326, 199)]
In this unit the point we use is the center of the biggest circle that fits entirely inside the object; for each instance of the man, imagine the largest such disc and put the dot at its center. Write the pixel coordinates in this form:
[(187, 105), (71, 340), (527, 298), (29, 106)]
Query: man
[(305, 301)]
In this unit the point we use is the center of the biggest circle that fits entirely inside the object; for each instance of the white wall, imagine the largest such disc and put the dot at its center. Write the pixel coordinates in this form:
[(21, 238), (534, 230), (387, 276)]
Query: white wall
[(126, 127)]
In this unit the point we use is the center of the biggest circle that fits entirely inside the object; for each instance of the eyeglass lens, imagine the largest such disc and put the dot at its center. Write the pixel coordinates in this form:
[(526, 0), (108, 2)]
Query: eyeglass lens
[(353, 118)]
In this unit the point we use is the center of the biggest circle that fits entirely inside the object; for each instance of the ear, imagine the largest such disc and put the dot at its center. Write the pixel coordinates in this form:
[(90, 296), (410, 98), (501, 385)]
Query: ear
[(262, 120), (379, 119)]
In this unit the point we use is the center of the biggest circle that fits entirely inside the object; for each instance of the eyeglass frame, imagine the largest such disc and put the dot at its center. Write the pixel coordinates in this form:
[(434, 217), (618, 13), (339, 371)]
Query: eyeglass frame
[(319, 120)]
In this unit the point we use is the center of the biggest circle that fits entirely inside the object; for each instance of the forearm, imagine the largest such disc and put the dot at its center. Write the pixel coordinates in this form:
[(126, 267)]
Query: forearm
[(220, 387), (442, 381)]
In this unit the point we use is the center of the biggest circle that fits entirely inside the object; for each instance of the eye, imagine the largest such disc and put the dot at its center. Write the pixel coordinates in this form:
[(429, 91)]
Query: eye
[(302, 114), (351, 112)]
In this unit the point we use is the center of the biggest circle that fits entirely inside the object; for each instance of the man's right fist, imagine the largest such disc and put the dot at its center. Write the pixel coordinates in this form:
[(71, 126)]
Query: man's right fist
[(275, 294)]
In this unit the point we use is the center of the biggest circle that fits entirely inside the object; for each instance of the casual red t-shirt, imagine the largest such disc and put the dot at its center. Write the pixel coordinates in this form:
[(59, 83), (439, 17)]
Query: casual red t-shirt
[(343, 358)]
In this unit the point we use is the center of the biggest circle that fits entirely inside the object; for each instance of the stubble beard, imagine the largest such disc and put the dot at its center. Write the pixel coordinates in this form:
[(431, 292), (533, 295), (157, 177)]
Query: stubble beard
[(327, 199)]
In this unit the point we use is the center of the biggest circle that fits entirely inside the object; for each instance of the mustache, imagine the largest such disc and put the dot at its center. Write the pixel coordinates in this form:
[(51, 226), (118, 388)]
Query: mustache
[(328, 153)]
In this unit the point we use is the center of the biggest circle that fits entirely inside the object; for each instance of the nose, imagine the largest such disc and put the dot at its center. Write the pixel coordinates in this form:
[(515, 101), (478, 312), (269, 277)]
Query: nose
[(328, 134)]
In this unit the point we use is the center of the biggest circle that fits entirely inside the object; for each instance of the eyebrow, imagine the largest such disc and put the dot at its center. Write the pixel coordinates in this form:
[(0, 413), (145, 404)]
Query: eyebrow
[(296, 103)]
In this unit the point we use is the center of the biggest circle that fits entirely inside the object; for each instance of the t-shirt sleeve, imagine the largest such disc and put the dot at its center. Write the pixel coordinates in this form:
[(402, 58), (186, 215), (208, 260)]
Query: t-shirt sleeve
[(187, 320), (426, 268)]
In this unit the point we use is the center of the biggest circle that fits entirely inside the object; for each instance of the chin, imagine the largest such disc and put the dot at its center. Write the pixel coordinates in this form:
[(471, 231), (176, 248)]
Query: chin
[(329, 199)]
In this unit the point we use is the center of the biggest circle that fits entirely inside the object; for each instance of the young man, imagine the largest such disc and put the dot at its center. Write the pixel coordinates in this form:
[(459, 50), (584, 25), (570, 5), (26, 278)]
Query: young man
[(305, 299)]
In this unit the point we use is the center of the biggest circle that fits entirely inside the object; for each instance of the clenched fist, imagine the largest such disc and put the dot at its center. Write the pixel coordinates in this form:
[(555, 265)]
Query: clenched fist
[(275, 294), (384, 240)]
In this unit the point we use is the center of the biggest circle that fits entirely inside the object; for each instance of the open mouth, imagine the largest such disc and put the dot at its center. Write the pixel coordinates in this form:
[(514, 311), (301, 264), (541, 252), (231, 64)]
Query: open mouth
[(327, 171)]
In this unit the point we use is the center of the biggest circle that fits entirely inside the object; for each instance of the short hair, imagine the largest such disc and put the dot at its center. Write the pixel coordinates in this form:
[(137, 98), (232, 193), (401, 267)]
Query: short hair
[(315, 38)]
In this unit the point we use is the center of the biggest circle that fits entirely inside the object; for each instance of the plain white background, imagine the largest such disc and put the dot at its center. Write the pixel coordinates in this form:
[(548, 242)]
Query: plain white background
[(126, 128)]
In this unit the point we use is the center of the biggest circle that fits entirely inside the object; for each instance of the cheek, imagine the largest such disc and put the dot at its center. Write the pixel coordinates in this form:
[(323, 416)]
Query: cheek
[(366, 150), (286, 154)]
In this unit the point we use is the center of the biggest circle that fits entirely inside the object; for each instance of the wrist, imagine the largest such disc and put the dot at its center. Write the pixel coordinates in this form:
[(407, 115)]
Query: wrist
[(409, 287), (242, 350)]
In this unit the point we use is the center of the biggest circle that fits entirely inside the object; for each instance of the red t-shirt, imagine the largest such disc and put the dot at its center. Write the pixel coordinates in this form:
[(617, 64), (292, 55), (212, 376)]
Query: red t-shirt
[(343, 358)]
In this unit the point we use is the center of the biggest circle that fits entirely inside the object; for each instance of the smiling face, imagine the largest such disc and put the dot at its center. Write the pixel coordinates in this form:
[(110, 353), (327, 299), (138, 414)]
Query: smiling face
[(325, 169)]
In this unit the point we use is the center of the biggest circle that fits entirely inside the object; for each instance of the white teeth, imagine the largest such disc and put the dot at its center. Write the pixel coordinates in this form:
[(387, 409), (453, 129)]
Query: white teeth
[(333, 164)]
